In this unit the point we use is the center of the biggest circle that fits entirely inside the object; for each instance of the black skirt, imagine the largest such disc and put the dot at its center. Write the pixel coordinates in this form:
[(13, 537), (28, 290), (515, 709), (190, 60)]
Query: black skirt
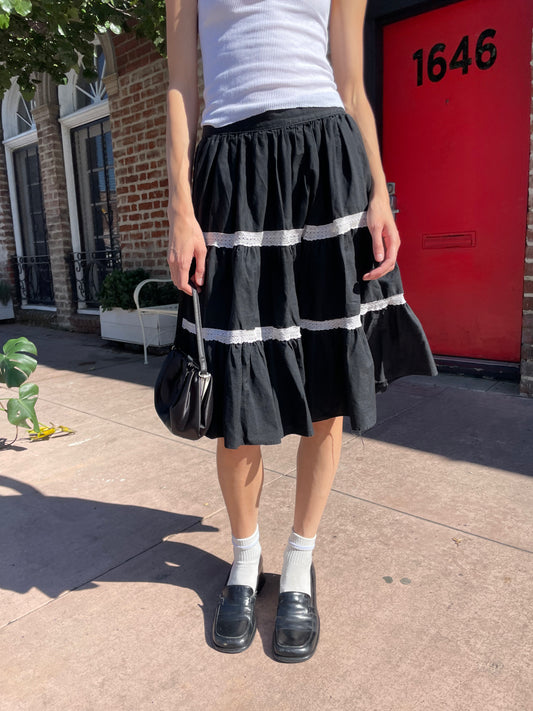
[(293, 334)]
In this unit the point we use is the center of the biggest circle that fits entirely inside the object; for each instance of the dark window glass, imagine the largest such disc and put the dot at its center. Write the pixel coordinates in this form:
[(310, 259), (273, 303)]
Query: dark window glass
[(95, 185), (34, 274), (30, 201)]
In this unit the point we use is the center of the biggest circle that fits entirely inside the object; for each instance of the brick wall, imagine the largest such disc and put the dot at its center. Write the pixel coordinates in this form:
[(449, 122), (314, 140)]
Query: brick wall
[(55, 203), (7, 238), (526, 365), (137, 102)]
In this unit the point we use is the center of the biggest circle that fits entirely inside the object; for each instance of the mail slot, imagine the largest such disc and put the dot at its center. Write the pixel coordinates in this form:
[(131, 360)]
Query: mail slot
[(446, 241)]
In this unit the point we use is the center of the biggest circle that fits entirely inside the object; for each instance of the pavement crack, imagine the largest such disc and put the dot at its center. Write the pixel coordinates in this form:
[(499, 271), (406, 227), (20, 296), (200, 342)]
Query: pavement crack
[(130, 427), (423, 518)]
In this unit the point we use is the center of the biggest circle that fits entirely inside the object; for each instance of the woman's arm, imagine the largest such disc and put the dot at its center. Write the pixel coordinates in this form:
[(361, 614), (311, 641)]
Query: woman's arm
[(346, 42), (185, 235)]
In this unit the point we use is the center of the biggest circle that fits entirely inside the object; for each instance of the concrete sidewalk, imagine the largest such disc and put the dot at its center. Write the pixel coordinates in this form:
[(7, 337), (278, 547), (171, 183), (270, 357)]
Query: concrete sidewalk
[(114, 543)]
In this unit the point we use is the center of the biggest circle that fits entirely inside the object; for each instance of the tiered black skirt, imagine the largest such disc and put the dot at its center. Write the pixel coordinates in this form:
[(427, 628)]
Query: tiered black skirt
[(293, 334)]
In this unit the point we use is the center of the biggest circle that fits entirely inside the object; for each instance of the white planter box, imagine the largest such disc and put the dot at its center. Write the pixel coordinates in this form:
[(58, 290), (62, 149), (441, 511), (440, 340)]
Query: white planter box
[(122, 325), (6, 310)]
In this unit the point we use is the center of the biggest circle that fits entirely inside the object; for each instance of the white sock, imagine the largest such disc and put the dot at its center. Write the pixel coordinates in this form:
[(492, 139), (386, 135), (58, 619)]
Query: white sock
[(246, 557), (297, 559)]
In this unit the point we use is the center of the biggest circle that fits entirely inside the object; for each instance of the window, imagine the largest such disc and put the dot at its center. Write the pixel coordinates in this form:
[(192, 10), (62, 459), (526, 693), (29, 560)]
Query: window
[(25, 120), (95, 184), (88, 93), (35, 279), (25, 188), (90, 181)]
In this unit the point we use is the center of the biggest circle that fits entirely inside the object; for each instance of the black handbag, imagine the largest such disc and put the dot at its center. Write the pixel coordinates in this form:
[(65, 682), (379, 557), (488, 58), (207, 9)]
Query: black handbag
[(183, 394)]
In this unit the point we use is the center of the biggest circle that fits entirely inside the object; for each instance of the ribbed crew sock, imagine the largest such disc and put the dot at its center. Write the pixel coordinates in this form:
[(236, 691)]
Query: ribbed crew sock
[(246, 557), (297, 559)]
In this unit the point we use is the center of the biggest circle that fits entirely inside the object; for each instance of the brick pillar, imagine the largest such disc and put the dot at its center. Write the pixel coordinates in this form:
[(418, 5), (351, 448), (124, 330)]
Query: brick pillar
[(55, 207), (526, 365), (7, 237)]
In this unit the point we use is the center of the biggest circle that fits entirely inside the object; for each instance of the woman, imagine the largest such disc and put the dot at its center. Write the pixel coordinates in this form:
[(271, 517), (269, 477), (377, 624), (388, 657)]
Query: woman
[(285, 228)]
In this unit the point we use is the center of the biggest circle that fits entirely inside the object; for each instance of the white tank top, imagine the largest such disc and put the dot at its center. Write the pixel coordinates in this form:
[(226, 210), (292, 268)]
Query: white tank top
[(264, 54)]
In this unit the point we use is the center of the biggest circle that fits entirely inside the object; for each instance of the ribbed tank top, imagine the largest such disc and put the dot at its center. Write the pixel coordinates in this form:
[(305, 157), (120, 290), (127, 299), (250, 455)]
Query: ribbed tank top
[(264, 54)]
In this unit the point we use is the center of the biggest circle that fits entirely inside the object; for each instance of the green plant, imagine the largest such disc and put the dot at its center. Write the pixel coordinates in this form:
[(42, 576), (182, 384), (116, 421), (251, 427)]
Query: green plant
[(118, 287), (5, 291), (49, 36), (16, 365)]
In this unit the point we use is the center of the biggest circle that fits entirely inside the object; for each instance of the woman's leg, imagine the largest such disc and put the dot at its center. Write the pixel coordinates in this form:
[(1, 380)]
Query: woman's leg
[(318, 458), (297, 625), (240, 474)]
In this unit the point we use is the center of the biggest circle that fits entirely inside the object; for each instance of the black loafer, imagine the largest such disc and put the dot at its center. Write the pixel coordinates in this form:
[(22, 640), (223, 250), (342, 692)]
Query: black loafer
[(234, 624), (297, 625)]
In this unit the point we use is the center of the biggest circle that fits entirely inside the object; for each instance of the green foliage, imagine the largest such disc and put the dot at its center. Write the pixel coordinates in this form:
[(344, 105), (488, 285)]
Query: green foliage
[(118, 287), (16, 365), (5, 287), (50, 35), (22, 409)]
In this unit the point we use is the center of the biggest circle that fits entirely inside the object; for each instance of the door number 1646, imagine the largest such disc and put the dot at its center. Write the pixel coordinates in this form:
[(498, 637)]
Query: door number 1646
[(485, 56)]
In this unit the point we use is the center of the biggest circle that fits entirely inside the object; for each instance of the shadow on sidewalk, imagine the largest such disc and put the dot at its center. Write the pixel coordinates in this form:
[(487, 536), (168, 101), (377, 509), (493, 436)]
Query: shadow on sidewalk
[(488, 429), (56, 544), (86, 353)]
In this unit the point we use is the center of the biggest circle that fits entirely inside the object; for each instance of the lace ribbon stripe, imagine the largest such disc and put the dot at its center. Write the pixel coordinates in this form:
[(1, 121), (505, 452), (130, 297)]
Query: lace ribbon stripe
[(286, 238), (269, 333), (395, 300)]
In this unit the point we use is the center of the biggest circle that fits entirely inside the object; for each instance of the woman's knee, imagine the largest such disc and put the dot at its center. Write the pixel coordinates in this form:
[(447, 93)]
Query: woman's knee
[(322, 428), (246, 453)]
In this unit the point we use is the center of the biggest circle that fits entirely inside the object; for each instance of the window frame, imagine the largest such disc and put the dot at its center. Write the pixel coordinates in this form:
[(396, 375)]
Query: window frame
[(14, 141)]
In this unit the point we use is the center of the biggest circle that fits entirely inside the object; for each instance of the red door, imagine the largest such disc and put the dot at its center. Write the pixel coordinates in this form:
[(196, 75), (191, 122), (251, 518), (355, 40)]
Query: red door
[(456, 93)]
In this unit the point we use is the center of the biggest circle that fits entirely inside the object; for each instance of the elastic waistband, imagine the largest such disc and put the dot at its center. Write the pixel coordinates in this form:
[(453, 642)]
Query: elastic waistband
[(274, 118)]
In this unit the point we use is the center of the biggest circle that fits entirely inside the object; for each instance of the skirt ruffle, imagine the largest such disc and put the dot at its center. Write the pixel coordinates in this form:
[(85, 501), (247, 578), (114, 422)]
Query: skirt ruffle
[(293, 334)]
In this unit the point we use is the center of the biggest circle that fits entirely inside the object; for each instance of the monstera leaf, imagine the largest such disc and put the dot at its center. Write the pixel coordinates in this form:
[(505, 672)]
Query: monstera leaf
[(16, 365), (22, 409)]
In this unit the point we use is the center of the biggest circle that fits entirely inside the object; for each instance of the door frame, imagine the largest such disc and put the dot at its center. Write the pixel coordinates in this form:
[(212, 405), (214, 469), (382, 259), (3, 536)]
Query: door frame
[(378, 14)]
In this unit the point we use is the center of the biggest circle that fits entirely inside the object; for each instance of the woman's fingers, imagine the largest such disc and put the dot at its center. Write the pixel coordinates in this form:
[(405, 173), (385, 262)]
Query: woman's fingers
[(179, 265), (186, 241), (384, 268), (377, 242), (385, 246), (199, 271)]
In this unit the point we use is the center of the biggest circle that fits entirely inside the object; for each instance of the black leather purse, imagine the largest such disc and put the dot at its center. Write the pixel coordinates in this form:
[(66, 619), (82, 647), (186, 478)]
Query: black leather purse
[(183, 394)]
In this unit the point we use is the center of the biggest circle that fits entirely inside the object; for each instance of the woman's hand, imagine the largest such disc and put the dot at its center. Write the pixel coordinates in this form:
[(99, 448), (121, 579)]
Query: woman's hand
[(186, 242), (385, 237)]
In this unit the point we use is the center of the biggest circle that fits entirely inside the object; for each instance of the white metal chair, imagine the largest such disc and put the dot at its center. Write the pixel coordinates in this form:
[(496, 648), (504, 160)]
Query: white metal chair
[(163, 309)]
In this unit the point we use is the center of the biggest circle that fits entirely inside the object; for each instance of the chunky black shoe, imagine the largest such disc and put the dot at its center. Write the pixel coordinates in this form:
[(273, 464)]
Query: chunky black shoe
[(297, 625), (234, 624)]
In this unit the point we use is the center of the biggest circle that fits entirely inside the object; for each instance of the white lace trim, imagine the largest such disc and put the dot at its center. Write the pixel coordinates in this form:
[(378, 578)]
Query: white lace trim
[(340, 226), (261, 333), (350, 323), (270, 333), (286, 238), (395, 300)]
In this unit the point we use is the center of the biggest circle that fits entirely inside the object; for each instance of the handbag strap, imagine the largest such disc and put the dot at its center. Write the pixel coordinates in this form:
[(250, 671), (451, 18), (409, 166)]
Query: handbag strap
[(198, 323), (199, 335)]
